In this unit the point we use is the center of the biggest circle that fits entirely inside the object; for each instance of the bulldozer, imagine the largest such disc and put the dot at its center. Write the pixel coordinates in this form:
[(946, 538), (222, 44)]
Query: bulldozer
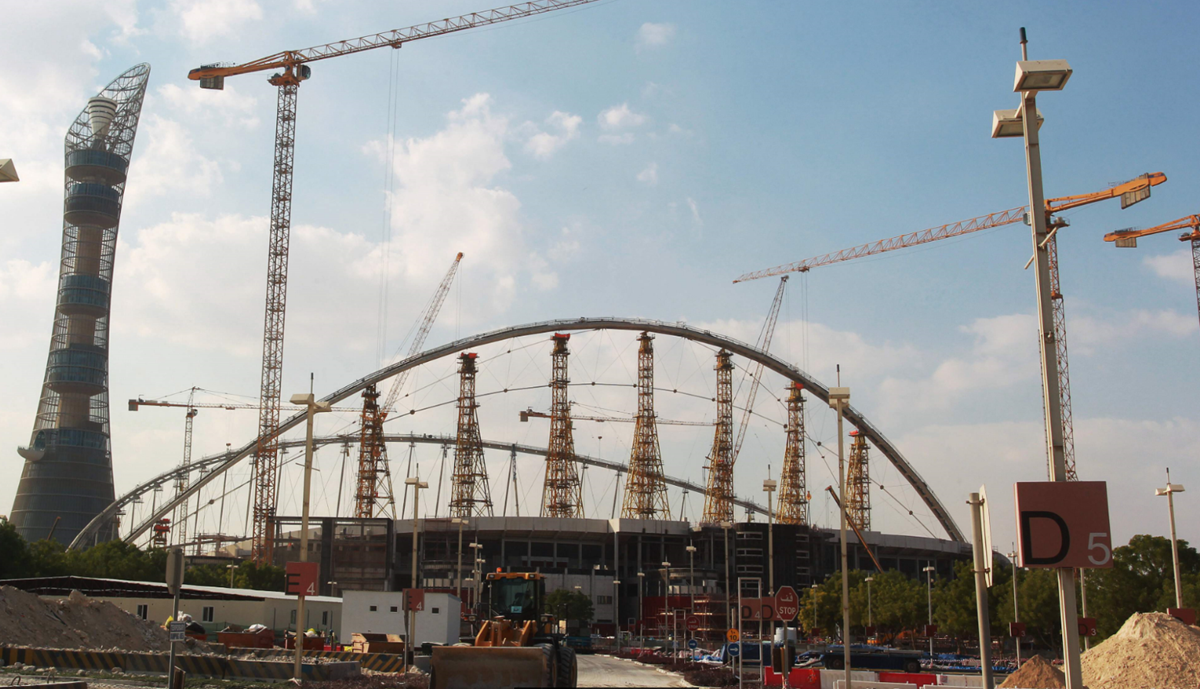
[(516, 646)]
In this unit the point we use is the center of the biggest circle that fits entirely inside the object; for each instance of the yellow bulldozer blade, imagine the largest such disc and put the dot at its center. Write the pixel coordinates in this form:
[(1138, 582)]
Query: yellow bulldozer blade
[(490, 667)]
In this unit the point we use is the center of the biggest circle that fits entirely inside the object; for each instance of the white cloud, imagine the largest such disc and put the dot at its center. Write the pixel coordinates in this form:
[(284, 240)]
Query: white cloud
[(544, 144), (567, 247), (1093, 334), (649, 175), (166, 161), (651, 35), (1175, 266), (27, 291), (695, 211), (227, 107), (203, 20), (620, 117)]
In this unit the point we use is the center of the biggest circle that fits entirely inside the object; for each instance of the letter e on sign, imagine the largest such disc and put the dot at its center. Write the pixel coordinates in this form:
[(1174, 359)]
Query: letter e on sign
[(1064, 524), (302, 578)]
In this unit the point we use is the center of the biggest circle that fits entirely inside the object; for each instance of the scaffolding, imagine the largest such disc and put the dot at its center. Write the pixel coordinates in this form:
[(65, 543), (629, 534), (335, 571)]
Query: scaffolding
[(562, 494), (470, 494), (645, 490), (793, 481), (858, 483), (718, 500), (373, 495)]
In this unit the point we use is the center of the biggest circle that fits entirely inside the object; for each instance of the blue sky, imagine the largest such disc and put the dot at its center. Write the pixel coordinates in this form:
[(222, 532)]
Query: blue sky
[(632, 159)]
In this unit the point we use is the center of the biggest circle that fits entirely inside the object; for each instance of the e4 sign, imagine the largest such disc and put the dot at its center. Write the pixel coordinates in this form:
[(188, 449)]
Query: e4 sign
[(1064, 524), (302, 578)]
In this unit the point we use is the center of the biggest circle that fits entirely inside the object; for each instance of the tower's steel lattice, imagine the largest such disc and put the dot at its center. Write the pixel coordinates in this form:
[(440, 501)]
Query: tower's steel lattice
[(266, 455), (562, 494), (68, 476), (718, 501), (858, 483), (373, 495), (470, 495), (645, 489), (793, 481)]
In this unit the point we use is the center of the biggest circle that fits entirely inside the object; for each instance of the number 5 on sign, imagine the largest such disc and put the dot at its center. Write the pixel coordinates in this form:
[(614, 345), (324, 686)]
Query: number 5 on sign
[(1099, 541)]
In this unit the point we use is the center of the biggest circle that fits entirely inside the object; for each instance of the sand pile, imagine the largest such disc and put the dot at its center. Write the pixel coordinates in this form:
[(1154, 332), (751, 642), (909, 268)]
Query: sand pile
[(74, 622), (1152, 650), (1036, 673)]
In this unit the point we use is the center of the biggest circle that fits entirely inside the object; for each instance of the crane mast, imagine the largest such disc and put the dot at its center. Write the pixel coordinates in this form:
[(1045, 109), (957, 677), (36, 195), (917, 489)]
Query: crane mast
[(293, 70)]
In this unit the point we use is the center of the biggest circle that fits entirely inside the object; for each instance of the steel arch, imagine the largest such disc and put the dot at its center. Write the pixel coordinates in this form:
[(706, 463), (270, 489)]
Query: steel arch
[(679, 329)]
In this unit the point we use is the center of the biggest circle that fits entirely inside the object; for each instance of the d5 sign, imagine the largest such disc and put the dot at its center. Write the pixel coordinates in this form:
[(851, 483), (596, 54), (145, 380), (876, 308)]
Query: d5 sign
[(1064, 524)]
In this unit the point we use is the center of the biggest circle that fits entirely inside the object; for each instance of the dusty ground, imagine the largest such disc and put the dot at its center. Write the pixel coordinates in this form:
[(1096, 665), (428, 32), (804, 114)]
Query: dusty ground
[(606, 671)]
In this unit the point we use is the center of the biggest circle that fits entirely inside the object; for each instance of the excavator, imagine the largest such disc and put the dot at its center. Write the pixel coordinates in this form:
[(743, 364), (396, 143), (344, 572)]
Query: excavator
[(517, 646)]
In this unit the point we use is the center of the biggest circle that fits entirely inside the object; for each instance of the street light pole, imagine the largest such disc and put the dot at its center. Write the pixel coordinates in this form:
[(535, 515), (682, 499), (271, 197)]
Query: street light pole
[(870, 619), (638, 621), (461, 521), (929, 592), (313, 407), (1170, 491), (725, 526), (617, 614), (417, 484), (1016, 613), (1031, 77), (839, 397)]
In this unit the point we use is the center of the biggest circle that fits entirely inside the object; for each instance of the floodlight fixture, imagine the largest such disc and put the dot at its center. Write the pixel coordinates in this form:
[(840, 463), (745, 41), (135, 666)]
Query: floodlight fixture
[(1041, 75), (1008, 123)]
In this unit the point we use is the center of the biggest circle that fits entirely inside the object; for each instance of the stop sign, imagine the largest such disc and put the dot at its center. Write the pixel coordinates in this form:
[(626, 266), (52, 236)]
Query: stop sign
[(692, 623), (787, 603)]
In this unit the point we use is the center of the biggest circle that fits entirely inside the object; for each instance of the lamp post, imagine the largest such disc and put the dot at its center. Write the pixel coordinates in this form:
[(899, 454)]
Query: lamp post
[(929, 570), (477, 571), (870, 618), (667, 600), (769, 487), (411, 618), (1012, 557), (691, 551), (1031, 77), (461, 521), (1170, 491), (814, 605), (230, 568), (725, 526), (313, 407), (617, 614), (839, 397), (641, 583)]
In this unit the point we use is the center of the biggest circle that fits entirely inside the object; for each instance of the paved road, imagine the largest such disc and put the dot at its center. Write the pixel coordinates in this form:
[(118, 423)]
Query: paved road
[(606, 671)]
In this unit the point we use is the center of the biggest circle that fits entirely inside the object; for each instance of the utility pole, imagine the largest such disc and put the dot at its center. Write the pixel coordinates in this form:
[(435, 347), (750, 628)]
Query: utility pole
[(314, 407), (1170, 491), (417, 484), (981, 590), (929, 570), (461, 521), (1016, 613), (839, 397)]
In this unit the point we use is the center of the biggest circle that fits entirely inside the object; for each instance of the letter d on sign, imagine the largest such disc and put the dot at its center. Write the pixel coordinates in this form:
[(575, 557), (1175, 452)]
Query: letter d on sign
[(1027, 541)]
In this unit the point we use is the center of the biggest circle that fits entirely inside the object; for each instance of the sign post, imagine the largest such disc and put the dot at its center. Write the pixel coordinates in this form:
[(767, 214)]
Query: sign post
[(175, 568), (982, 578), (787, 607)]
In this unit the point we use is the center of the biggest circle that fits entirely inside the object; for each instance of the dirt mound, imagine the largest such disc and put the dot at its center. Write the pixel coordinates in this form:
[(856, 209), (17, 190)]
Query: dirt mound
[(74, 622), (1151, 650), (1036, 673)]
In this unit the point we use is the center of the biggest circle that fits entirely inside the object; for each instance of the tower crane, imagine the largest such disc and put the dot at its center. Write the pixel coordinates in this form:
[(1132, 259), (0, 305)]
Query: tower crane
[(293, 68), (1131, 192), (1127, 239), (374, 475)]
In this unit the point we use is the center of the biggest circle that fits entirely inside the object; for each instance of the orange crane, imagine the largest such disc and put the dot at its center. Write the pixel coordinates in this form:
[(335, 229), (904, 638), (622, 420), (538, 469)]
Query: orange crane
[(1131, 192), (374, 477), (1127, 239), (293, 69)]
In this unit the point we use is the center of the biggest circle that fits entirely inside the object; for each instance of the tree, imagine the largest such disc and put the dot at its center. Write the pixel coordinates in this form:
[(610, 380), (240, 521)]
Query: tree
[(570, 605), (897, 602), (1142, 579), (14, 554)]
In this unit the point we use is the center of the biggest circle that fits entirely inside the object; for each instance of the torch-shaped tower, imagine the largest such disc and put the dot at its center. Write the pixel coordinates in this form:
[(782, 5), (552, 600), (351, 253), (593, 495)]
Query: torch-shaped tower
[(68, 476)]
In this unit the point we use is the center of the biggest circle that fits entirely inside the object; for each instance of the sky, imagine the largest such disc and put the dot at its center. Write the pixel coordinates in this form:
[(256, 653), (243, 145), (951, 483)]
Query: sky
[(631, 159)]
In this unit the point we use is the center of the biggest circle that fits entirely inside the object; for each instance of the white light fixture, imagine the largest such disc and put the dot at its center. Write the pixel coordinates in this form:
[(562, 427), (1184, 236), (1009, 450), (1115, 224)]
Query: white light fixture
[(8, 171), (1008, 123), (1041, 75), (838, 395)]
